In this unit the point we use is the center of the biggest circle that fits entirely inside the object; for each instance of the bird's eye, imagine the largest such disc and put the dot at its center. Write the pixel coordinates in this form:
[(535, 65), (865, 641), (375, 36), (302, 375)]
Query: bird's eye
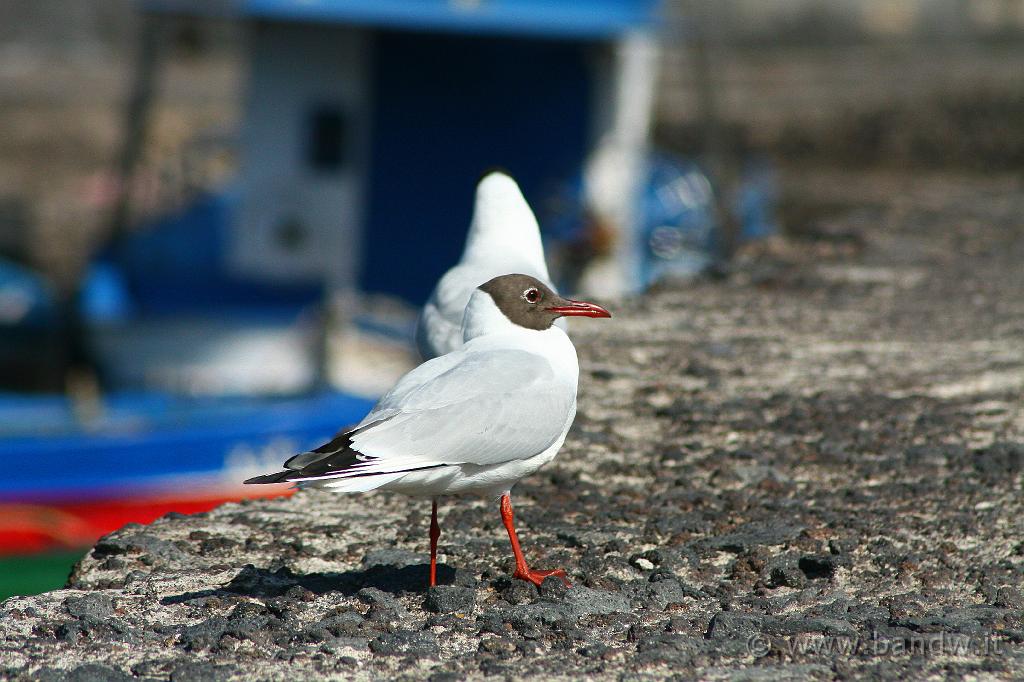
[(531, 295)]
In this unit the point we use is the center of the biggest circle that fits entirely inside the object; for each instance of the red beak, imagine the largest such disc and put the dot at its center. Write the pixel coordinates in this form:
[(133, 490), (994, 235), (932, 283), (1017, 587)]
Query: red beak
[(580, 309)]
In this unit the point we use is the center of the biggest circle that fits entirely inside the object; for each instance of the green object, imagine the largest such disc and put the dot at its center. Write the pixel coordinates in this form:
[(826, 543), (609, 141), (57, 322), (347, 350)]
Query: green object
[(35, 573)]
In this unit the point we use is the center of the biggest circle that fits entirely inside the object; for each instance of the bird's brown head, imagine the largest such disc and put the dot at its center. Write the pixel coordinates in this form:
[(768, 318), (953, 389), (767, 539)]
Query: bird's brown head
[(529, 303)]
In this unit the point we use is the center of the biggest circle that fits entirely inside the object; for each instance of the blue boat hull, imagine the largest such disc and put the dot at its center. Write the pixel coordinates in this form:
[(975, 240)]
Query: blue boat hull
[(154, 445)]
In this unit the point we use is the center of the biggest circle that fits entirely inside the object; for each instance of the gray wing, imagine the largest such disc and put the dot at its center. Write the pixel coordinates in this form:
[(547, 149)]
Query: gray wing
[(484, 407)]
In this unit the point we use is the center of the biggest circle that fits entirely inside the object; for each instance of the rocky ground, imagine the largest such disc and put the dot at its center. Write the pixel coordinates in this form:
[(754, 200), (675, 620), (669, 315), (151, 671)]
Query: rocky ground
[(809, 468)]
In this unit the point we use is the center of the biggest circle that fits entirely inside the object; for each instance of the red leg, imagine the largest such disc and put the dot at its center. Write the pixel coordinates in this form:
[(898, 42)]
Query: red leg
[(435, 533), (523, 572)]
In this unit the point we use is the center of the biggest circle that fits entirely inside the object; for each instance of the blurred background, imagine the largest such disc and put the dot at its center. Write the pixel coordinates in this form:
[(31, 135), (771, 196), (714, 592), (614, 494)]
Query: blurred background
[(218, 219)]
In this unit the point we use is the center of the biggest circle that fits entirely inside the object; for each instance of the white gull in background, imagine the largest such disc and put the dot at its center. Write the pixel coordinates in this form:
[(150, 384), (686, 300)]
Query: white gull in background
[(473, 421), (503, 237)]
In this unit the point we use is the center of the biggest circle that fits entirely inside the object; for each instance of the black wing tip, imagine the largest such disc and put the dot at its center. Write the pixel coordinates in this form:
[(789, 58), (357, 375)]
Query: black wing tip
[(334, 456), (279, 477)]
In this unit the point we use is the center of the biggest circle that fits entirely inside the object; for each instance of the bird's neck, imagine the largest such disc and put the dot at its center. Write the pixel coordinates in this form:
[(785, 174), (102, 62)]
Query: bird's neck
[(485, 327), (552, 344), (483, 319)]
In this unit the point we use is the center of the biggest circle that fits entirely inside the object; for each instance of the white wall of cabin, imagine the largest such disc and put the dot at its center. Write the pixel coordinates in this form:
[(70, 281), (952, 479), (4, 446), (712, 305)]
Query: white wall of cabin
[(295, 68)]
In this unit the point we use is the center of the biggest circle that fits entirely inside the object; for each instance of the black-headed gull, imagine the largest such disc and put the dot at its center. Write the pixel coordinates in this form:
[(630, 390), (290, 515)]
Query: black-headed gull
[(503, 237), (473, 421)]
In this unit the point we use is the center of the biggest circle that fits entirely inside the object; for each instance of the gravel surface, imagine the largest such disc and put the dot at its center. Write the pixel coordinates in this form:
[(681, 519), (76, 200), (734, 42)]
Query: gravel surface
[(808, 468)]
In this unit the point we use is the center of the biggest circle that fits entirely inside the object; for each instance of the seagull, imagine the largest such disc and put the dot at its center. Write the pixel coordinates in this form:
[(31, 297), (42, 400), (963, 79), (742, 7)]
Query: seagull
[(503, 237), (476, 420)]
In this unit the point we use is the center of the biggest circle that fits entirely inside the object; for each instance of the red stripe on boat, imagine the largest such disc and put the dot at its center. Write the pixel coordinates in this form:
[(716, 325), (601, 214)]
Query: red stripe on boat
[(31, 528)]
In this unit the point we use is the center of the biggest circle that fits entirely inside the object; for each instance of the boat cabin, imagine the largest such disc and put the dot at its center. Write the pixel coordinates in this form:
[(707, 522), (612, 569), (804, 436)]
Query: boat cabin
[(367, 122)]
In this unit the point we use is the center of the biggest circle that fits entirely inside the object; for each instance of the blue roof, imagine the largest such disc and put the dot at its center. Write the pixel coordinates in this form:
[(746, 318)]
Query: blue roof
[(554, 18)]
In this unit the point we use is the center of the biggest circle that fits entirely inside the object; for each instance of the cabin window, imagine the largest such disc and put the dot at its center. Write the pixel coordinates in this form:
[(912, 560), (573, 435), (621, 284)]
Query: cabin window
[(328, 139)]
